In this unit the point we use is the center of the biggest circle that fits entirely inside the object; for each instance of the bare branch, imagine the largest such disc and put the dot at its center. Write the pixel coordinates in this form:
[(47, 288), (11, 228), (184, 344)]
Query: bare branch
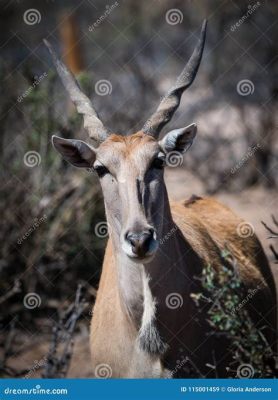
[(15, 289), (273, 233), (57, 365)]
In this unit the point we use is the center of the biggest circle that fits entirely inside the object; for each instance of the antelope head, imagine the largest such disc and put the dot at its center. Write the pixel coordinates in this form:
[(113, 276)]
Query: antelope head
[(130, 168)]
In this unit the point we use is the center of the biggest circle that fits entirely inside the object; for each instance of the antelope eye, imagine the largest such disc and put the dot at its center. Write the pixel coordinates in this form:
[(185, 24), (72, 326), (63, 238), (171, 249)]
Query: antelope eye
[(101, 170), (157, 163)]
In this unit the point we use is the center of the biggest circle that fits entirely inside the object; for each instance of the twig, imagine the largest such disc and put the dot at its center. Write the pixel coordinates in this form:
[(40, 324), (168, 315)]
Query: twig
[(57, 365), (274, 235), (274, 220), (15, 289), (4, 368), (274, 253)]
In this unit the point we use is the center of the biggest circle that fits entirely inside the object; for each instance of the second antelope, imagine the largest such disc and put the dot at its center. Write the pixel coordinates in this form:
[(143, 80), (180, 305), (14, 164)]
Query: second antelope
[(157, 249)]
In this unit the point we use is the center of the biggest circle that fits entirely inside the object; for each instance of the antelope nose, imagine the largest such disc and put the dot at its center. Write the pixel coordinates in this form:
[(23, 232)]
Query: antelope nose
[(140, 242)]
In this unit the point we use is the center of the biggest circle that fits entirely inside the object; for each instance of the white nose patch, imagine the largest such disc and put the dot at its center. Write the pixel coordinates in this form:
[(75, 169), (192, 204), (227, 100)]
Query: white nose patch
[(127, 248), (121, 180)]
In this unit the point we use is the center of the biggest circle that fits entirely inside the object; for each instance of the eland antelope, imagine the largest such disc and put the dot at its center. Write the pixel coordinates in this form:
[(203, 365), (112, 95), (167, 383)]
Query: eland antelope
[(158, 249)]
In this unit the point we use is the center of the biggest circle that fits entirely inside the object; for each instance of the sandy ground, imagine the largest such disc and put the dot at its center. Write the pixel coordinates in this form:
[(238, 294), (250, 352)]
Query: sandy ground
[(254, 205)]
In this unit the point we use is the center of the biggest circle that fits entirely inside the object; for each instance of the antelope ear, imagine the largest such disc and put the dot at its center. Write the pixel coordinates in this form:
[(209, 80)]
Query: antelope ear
[(179, 139), (76, 152)]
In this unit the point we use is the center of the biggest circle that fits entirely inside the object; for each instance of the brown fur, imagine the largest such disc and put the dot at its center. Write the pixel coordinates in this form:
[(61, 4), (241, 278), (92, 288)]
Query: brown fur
[(207, 226), (130, 141)]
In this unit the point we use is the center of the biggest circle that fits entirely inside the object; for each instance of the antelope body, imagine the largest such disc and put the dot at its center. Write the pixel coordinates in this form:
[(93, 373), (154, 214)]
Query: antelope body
[(157, 249)]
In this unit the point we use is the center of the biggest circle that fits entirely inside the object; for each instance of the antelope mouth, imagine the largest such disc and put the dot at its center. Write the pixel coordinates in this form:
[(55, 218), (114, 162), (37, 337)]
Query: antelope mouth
[(140, 253), (141, 259)]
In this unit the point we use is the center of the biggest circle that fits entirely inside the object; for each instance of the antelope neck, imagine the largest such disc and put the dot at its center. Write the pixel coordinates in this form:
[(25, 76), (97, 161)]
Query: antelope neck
[(135, 279)]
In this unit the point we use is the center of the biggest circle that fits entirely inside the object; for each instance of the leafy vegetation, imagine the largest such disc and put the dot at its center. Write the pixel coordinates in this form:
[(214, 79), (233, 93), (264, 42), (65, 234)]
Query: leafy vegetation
[(228, 314)]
